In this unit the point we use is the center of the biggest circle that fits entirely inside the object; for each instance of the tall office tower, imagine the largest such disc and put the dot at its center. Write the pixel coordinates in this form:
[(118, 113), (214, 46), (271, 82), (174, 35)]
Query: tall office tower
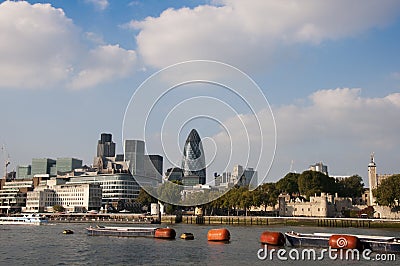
[(248, 175), (193, 162), (373, 180), (153, 167), (236, 173), (134, 155), (105, 146)]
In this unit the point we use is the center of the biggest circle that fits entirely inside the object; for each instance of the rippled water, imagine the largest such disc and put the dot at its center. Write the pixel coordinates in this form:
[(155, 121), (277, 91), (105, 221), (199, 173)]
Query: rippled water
[(46, 245)]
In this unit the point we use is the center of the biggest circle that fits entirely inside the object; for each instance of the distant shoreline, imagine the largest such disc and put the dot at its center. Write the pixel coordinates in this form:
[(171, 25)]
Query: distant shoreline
[(226, 220)]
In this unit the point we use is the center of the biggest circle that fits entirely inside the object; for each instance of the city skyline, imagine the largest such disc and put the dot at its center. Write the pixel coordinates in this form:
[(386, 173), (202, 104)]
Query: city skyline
[(331, 74)]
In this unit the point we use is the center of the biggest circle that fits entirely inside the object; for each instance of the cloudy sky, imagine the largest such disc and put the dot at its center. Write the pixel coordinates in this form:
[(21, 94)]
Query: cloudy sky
[(330, 71)]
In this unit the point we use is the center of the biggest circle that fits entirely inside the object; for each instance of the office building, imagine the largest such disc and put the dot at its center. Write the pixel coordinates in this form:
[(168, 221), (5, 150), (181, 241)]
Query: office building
[(134, 156), (115, 187), (153, 167), (319, 167), (73, 197), (23, 171), (174, 174), (193, 161), (43, 166), (67, 165)]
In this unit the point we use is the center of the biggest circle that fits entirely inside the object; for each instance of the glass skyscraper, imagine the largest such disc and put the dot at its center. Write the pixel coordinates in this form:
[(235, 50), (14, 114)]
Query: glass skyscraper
[(193, 162)]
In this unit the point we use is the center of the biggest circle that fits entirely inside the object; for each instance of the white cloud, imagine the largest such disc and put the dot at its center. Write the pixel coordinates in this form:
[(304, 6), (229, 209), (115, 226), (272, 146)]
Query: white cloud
[(38, 45), (337, 126), (248, 32), (103, 64), (42, 48), (99, 4)]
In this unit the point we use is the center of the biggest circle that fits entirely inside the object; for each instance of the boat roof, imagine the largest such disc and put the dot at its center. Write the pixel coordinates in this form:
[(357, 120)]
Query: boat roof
[(384, 238)]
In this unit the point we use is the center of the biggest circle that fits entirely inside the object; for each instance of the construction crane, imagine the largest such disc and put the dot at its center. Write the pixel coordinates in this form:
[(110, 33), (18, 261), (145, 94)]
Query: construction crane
[(6, 160)]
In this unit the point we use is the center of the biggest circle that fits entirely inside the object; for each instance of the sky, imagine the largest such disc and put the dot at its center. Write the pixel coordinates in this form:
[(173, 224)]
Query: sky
[(329, 72)]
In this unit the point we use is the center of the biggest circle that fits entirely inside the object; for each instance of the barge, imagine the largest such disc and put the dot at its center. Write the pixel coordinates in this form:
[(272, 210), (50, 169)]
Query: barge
[(166, 233), (374, 243)]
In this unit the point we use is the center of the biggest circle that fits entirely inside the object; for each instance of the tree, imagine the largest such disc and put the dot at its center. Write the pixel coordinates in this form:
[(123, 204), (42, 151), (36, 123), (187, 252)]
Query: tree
[(314, 182), (268, 194), (145, 199), (170, 192), (289, 183), (352, 186), (388, 191), (58, 208)]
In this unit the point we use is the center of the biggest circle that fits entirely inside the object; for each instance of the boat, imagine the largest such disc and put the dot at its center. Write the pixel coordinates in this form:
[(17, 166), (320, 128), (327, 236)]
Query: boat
[(374, 243), (68, 232), (27, 219), (166, 233), (187, 236)]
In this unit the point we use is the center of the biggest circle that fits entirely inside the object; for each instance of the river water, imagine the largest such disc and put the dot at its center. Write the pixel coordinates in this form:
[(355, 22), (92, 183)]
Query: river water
[(46, 245)]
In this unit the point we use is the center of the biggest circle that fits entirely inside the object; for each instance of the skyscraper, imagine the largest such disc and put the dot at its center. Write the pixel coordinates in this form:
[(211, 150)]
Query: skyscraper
[(193, 162), (134, 154), (105, 146)]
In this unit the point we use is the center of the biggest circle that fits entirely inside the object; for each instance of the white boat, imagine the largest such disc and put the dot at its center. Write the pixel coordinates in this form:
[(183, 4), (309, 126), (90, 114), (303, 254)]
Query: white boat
[(28, 219)]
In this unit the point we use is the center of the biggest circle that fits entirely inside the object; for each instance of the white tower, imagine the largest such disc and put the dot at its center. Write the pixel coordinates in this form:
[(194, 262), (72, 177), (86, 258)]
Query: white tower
[(373, 179)]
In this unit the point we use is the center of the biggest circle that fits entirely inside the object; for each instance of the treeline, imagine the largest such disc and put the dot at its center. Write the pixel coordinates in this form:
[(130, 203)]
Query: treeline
[(388, 192), (307, 184)]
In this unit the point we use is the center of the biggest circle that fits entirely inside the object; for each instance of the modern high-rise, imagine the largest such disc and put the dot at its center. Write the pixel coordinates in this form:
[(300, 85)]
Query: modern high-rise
[(134, 156), (105, 146), (193, 161), (66, 165), (153, 167), (43, 166)]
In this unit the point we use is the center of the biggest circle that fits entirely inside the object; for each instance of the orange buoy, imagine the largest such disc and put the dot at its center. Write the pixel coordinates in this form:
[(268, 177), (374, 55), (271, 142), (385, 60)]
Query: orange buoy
[(272, 238), (344, 242), (221, 234), (166, 233)]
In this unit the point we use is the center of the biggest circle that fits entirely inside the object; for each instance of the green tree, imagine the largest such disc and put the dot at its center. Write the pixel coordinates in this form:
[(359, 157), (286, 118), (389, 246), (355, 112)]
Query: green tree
[(145, 199), (58, 208), (388, 191), (352, 186), (313, 182), (289, 183), (170, 192), (268, 195)]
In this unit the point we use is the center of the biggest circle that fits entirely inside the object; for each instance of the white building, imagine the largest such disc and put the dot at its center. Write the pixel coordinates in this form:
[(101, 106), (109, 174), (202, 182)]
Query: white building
[(73, 197)]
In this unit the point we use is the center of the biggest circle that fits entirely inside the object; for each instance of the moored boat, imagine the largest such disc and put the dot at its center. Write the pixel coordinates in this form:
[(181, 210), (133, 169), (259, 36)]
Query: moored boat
[(165, 233), (374, 243), (27, 219), (121, 231)]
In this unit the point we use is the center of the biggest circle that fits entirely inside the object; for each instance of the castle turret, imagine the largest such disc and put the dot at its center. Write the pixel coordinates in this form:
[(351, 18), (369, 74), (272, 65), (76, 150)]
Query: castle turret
[(373, 179)]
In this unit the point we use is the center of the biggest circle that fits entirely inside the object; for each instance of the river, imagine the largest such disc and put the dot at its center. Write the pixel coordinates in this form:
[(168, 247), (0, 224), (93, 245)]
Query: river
[(46, 245)]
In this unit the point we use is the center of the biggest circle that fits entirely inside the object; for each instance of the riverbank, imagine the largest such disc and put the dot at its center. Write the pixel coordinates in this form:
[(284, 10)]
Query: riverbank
[(225, 220), (289, 221)]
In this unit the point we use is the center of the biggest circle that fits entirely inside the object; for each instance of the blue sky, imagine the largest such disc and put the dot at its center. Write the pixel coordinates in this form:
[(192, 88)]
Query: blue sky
[(331, 73)]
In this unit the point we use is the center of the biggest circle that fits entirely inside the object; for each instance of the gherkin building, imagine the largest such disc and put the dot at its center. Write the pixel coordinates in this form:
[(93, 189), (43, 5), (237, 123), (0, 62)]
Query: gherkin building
[(193, 162)]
